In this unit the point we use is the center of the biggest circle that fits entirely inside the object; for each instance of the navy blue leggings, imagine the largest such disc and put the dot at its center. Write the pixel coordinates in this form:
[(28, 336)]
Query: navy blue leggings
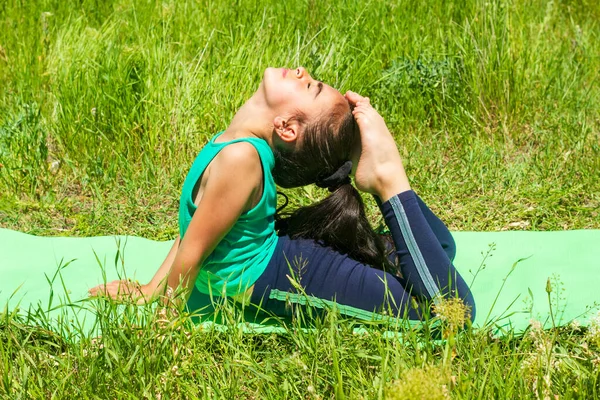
[(424, 248)]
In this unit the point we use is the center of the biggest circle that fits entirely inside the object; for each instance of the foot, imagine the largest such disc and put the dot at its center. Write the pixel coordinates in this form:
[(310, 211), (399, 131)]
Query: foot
[(379, 168)]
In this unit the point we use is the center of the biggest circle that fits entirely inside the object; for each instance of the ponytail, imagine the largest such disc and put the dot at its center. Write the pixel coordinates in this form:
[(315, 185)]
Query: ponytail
[(338, 221)]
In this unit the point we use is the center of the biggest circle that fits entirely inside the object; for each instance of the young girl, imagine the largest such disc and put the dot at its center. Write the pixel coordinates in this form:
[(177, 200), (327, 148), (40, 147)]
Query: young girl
[(292, 132)]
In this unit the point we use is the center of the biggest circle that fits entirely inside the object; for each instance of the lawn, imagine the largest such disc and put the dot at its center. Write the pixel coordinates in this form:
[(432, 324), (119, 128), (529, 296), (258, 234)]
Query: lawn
[(104, 105)]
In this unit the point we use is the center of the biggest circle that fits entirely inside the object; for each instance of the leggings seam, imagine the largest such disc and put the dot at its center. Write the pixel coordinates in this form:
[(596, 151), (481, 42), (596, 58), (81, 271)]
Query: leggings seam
[(313, 301), (413, 248)]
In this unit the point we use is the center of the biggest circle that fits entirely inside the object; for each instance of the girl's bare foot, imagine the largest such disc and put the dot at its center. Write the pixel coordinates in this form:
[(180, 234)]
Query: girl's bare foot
[(379, 168)]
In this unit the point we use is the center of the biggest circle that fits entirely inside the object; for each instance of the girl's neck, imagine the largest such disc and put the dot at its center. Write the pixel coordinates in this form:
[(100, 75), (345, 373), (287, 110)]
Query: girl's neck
[(251, 120)]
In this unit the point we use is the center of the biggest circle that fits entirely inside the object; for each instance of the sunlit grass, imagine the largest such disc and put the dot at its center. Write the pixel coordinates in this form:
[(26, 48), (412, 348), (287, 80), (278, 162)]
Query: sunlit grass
[(103, 106), (157, 352)]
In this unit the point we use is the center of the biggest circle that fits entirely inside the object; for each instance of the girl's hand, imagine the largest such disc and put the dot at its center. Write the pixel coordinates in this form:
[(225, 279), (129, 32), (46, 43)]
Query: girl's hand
[(379, 168), (124, 290)]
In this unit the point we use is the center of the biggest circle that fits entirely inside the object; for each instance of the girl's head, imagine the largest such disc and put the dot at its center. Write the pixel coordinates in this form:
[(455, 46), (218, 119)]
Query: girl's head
[(315, 131), (315, 135), (287, 92)]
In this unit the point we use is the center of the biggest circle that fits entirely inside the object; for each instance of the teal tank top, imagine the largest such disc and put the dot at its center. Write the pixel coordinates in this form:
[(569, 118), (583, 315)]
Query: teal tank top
[(242, 255)]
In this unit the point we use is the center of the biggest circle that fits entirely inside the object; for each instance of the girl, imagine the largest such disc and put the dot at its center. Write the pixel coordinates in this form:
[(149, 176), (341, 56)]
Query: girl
[(292, 132)]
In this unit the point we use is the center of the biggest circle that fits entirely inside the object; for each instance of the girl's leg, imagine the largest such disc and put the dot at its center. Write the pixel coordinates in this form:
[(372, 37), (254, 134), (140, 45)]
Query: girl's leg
[(426, 268), (328, 275), (438, 228)]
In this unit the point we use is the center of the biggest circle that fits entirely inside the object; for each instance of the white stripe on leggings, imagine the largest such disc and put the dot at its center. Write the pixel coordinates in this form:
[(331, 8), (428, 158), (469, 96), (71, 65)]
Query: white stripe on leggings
[(413, 249)]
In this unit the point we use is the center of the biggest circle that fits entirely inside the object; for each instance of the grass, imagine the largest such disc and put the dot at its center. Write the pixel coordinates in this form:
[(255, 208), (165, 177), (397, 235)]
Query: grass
[(103, 106), (157, 353)]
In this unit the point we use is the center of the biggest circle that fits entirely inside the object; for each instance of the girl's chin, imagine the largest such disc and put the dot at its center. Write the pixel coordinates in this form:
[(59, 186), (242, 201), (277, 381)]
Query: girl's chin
[(272, 72), (271, 78)]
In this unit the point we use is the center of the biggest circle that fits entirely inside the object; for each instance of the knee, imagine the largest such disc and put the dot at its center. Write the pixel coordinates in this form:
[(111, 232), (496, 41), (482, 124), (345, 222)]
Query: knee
[(449, 245)]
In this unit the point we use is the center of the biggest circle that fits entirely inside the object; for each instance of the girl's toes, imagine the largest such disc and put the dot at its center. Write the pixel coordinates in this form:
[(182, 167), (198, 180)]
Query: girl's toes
[(353, 97)]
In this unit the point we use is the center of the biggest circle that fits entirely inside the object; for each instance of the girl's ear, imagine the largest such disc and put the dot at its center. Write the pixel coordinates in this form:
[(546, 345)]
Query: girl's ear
[(287, 130)]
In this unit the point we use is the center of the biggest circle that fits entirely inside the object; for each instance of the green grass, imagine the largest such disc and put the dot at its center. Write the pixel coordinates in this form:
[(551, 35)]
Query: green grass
[(103, 106), (152, 353)]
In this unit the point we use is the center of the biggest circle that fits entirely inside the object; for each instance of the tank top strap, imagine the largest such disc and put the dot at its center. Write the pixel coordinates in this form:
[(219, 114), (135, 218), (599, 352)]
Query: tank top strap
[(262, 147)]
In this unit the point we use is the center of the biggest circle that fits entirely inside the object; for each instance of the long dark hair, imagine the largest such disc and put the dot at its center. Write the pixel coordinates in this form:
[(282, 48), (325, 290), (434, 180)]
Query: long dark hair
[(338, 221)]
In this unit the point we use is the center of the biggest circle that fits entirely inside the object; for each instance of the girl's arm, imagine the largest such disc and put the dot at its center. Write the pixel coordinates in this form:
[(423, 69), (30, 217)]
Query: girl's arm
[(164, 269), (231, 189), (232, 185)]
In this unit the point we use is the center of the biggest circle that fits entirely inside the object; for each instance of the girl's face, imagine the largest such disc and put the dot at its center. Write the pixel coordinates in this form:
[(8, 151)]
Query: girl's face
[(288, 91)]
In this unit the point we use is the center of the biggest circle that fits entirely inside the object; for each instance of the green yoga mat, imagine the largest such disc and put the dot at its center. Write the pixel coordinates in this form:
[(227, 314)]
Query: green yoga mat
[(509, 284)]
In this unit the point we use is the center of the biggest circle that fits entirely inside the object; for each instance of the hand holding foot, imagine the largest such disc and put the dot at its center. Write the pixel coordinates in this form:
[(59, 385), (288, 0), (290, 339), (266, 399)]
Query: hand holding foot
[(379, 168)]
